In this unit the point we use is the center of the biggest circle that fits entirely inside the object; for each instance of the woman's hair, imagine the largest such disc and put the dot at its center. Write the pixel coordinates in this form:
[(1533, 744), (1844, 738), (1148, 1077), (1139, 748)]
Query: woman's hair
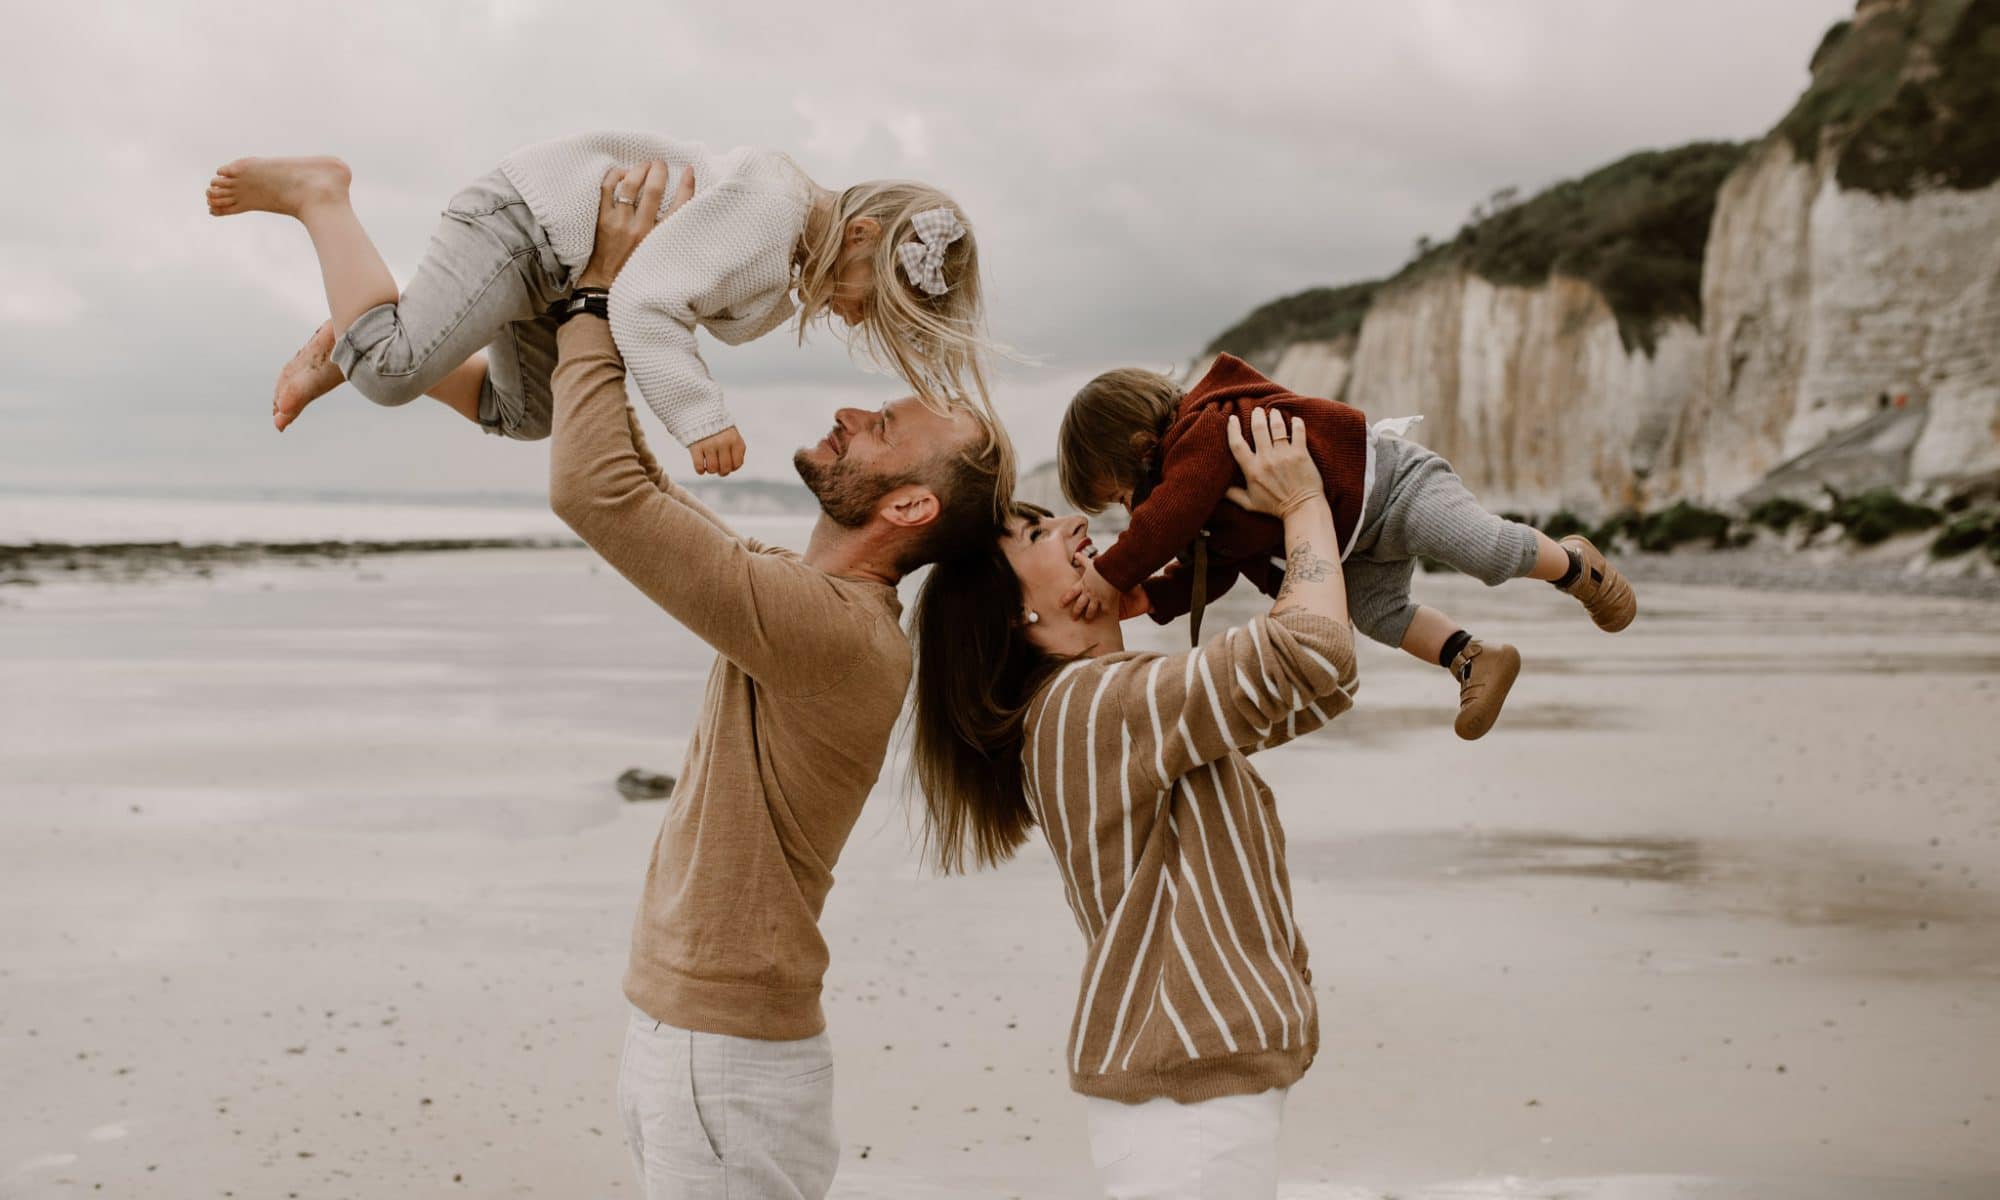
[(1110, 432), (938, 343), (976, 675)]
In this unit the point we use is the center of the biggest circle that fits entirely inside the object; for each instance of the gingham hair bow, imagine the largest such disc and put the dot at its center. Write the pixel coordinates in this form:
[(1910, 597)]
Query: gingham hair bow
[(923, 255)]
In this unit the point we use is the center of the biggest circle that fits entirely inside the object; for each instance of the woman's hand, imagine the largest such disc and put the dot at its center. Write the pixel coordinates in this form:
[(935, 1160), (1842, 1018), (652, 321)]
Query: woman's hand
[(628, 209), (1279, 475)]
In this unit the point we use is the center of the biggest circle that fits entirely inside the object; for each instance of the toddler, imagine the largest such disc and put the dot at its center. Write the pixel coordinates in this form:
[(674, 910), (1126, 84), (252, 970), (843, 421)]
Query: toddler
[(1131, 437), (756, 243)]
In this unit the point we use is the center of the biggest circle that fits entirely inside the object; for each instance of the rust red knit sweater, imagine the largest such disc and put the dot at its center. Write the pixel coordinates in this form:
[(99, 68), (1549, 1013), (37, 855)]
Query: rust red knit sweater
[(1195, 469)]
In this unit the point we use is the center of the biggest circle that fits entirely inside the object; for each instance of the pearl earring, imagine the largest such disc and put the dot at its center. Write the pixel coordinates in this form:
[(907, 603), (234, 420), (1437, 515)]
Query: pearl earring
[(1033, 616)]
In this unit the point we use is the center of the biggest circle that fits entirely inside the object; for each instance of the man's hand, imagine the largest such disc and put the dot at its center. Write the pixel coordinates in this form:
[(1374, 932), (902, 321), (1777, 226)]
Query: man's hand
[(628, 209), (1091, 595), (718, 453)]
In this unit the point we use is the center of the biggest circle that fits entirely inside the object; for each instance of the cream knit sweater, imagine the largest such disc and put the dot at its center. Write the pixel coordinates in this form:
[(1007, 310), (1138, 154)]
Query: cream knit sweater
[(724, 262)]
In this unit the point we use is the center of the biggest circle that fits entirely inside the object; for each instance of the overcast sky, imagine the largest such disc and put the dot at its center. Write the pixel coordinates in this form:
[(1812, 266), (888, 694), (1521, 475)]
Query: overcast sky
[(1140, 175)]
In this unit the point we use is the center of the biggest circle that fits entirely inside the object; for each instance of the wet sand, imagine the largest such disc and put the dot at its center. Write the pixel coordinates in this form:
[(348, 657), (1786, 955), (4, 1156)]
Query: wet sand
[(313, 881)]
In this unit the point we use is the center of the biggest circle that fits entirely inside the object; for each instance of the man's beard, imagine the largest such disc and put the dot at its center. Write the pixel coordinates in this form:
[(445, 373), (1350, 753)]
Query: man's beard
[(847, 494)]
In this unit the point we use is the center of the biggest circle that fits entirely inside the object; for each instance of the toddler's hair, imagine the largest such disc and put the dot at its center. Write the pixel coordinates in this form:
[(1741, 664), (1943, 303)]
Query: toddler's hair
[(1110, 432), (936, 343)]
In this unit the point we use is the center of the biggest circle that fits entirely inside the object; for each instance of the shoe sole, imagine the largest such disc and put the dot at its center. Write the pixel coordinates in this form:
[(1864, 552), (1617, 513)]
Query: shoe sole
[(1511, 658)]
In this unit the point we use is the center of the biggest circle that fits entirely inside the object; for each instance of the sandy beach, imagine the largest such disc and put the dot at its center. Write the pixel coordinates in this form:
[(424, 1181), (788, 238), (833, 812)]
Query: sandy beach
[(313, 883)]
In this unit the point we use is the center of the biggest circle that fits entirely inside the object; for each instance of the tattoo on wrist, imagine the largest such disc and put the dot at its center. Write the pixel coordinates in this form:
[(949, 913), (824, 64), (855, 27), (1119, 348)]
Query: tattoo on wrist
[(1304, 563)]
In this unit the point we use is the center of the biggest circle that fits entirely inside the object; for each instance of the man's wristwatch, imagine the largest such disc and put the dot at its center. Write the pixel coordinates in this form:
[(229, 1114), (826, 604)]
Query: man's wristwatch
[(593, 300)]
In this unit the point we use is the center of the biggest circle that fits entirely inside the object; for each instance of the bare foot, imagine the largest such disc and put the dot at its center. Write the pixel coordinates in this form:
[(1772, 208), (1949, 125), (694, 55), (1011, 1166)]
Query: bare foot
[(279, 185), (310, 375)]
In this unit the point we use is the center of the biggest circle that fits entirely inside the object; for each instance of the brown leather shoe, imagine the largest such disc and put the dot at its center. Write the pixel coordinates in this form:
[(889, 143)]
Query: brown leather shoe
[(1485, 675), (1605, 594)]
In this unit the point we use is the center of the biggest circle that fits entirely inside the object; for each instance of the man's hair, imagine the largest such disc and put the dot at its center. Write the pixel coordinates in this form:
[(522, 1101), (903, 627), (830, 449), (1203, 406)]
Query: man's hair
[(1110, 433), (972, 481)]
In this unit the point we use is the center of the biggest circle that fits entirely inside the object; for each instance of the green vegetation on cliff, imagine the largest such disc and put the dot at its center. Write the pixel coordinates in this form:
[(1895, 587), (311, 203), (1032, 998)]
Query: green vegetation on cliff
[(1910, 98), (1907, 95), (1636, 230), (1317, 314)]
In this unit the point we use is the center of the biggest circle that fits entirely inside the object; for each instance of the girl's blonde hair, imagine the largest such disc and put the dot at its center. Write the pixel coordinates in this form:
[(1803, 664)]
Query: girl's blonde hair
[(936, 343)]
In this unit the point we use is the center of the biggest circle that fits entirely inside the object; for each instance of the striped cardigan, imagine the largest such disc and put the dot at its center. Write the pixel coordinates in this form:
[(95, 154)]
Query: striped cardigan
[(1173, 860)]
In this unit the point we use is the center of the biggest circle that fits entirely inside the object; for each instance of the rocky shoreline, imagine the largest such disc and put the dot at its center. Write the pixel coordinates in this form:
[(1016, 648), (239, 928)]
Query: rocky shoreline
[(1768, 569)]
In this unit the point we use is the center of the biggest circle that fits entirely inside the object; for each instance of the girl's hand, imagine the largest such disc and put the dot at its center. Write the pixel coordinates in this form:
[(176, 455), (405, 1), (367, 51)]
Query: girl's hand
[(718, 453), (1279, 474), (628, 208)]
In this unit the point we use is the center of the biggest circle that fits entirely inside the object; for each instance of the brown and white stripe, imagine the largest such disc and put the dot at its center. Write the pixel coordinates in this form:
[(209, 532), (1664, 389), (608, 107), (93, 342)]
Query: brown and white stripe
[(1173, 858)]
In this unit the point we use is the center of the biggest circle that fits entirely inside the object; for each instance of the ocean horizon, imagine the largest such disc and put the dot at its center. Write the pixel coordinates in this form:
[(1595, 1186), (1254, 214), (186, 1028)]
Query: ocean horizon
[(225, 515)]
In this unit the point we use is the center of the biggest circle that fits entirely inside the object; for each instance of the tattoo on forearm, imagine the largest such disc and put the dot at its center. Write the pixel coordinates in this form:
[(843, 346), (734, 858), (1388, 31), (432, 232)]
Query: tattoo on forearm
[(1303, 564)]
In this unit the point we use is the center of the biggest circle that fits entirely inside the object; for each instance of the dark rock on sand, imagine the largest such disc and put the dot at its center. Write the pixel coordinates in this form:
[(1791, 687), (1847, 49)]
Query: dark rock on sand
[(639, 784)]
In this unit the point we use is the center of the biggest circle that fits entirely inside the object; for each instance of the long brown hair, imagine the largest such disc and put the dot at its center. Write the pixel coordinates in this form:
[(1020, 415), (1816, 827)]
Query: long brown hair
[(976, 675)]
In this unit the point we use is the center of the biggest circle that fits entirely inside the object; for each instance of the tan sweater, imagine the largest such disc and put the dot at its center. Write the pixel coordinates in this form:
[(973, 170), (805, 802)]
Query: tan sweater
[(1171, 853), (808, 682)]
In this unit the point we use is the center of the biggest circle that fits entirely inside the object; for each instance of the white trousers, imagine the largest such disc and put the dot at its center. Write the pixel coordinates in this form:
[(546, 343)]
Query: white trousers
[(714, 1116), (1164, 1150)]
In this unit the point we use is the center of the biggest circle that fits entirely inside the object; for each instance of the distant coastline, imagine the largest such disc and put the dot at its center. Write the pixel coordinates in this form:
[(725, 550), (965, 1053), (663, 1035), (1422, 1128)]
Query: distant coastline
[(748, 496), (112, 534)]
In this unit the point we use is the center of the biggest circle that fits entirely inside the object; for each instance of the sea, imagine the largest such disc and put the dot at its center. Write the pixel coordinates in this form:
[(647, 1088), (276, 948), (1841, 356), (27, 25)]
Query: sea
[(221, 517)]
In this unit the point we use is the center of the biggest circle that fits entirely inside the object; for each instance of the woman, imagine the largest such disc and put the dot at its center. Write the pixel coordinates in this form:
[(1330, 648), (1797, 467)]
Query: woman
[(1195, 1012)]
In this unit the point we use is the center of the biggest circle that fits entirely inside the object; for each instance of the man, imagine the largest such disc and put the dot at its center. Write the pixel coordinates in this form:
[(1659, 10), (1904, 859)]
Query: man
[(727, 1078)]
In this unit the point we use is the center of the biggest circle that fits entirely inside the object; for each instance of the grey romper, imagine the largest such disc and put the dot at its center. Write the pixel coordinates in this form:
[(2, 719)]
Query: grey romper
[(1418, 507)]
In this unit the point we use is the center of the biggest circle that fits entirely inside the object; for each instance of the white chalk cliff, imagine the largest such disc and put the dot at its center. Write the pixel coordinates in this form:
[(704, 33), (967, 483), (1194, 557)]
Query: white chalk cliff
[(1817, 301)]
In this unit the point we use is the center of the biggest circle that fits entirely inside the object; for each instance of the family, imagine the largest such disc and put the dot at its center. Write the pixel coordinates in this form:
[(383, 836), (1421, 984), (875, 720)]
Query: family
[(572, 268)]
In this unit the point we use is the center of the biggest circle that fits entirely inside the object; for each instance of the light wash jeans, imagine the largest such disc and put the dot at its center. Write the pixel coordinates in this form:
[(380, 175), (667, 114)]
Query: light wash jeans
[(484, 284), (714, 1116), (1224, 1149)]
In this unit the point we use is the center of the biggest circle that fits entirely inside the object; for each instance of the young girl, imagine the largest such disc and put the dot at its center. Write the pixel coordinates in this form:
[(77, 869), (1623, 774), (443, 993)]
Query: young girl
[(1195, 1011), (1131, 437), (757, 242)]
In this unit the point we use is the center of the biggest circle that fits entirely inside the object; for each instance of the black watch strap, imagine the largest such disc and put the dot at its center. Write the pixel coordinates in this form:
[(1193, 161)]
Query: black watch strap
[(593, 300)]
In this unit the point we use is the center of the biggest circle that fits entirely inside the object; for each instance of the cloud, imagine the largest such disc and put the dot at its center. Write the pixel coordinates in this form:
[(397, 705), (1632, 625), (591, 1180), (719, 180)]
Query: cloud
[(35, 296), (912, 134), (1140, 174)]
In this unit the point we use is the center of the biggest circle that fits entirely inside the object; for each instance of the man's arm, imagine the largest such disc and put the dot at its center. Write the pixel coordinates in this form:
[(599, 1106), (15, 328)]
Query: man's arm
[(765, 613), (658, 477)]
